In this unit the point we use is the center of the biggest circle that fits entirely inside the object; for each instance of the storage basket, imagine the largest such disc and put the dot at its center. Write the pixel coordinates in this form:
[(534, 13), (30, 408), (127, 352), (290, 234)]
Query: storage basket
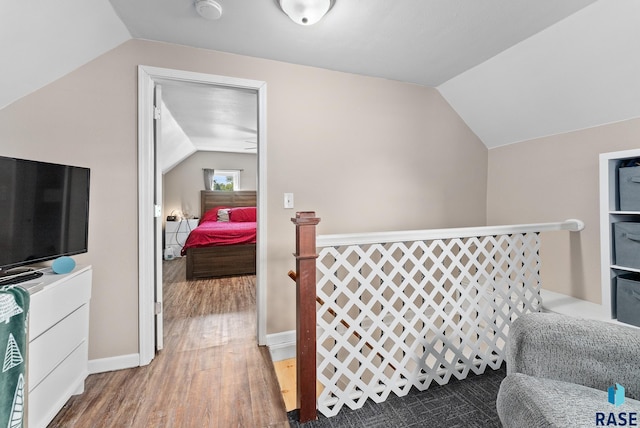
[(628, 299), (626, 236), (629, 188)]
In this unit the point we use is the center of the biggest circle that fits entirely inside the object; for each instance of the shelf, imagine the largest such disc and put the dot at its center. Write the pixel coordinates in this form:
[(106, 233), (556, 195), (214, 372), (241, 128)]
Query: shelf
[(624, 212), (611, 213), (625, 268)]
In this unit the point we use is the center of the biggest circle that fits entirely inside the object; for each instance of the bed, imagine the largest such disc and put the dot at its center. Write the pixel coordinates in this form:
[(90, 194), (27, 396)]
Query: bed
[(218, 250)]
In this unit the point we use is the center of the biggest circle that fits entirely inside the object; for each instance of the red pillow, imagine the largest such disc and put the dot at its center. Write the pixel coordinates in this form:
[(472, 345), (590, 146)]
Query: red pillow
[(211, 215), (242, 214)]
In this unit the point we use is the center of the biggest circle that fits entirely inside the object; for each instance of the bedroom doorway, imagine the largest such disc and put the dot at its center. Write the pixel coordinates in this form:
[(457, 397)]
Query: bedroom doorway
[(150, 79)]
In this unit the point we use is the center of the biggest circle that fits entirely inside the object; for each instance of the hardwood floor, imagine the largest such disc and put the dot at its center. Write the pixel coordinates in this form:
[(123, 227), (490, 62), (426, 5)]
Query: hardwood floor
[(210, 374), (286, 374)]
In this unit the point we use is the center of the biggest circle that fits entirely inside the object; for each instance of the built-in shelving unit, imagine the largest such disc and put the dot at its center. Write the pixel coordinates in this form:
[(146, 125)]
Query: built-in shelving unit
[(610, 213)]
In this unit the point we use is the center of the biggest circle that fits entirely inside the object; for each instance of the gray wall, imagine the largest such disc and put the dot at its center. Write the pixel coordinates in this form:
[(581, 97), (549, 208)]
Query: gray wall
[(553, 179), (366, 154)]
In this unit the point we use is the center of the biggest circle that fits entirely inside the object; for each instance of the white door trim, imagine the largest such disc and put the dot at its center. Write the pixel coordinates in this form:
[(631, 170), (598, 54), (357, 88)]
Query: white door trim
[(146, 78)]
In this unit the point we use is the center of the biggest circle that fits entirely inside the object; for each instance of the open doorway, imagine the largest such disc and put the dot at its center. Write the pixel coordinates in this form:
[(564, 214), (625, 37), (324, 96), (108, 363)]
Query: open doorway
[(150, 209)]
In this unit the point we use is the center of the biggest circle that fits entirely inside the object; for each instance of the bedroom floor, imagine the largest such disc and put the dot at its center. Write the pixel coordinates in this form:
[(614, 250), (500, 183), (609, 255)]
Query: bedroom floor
[(210, 374)]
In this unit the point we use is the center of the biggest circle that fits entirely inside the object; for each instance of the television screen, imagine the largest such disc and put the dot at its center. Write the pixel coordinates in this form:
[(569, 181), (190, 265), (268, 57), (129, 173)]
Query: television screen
[(44, 209)]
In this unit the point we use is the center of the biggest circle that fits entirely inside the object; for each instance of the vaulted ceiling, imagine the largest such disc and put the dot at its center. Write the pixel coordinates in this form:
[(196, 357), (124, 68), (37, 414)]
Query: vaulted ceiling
[(514, 70)]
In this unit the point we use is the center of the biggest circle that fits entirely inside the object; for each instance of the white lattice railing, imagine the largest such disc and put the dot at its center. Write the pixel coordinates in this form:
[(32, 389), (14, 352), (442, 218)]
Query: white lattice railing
[(404, 309)]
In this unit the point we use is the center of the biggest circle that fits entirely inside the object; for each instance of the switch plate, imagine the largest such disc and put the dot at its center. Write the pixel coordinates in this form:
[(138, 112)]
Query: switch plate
[(288, 200)]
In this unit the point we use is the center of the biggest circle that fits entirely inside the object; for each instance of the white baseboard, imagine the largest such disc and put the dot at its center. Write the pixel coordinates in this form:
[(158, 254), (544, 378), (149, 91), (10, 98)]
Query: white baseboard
[(110, 364), (282, 346)]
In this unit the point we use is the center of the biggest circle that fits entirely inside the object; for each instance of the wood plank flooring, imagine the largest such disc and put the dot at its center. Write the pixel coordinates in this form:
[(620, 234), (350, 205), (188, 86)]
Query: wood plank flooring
[(286, 373), (210, 374)]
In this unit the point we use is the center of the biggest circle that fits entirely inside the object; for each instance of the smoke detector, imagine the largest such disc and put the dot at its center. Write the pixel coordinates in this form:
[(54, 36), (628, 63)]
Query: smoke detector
[(209, 9)]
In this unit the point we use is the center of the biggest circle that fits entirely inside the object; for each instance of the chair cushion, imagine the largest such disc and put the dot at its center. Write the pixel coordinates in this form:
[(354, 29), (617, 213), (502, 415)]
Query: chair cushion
[(588, 352), (526, 401)]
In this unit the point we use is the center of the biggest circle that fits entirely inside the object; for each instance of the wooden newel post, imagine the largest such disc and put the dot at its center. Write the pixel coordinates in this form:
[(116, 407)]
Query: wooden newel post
[(306, 314)]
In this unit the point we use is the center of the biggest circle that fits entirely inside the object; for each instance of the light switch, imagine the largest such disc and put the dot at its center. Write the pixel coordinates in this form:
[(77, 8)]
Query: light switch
[(288, 200)]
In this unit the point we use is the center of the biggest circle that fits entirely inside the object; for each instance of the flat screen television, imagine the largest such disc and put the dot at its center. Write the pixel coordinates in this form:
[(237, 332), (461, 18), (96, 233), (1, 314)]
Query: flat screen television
[(44, 211)]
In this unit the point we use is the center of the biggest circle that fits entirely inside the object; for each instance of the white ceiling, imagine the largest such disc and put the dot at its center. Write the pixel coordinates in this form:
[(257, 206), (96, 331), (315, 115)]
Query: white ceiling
[(580, 73), (213, 118), (421, 41), (514, 70)]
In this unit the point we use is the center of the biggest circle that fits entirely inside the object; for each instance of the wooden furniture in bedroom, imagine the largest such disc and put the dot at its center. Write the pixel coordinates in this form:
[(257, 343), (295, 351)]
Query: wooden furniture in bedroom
[(227, 260)]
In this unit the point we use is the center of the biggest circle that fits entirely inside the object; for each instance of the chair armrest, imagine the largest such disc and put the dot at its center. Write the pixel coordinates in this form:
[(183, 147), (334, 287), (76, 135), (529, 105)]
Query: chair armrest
[(592, 353)]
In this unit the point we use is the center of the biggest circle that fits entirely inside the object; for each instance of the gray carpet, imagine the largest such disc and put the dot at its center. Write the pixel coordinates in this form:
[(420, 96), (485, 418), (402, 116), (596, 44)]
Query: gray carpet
[(467, 403)]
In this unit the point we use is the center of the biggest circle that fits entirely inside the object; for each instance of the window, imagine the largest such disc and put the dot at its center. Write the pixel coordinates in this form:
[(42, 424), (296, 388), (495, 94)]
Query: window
[(224, 180)]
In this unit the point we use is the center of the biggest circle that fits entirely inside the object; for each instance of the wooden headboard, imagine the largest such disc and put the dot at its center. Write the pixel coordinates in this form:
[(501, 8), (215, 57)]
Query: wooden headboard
[(215, 198)]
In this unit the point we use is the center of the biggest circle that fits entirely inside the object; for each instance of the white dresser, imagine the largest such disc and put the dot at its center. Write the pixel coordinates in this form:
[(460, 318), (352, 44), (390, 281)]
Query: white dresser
[(58, 342), (176, 233)]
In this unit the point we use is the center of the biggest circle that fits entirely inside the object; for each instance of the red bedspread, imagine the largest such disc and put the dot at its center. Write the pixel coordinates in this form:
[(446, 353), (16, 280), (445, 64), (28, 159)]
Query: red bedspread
[(215, 233)]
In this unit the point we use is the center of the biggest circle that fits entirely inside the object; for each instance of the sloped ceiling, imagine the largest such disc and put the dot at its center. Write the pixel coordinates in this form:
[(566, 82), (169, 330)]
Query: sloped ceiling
[(42, 41), (577, 74), (174, 145), (420, 41), (513, 70)]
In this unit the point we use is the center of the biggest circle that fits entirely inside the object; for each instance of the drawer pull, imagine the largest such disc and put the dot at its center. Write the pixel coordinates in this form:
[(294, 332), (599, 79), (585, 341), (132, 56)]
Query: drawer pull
[(633, 236)]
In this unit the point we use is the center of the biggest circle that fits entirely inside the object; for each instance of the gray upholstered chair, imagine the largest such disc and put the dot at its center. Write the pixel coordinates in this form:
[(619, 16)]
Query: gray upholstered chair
[(559, 369)]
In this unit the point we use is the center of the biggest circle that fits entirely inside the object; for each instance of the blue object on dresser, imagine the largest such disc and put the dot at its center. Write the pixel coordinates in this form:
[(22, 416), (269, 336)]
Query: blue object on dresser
[(64, 264)]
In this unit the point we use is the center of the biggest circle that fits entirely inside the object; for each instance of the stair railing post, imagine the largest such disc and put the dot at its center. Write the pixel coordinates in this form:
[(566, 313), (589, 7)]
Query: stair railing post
[(306, 256)]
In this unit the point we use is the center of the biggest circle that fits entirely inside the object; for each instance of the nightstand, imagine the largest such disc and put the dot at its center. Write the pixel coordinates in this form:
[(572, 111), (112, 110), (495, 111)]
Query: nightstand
[(176, 233)]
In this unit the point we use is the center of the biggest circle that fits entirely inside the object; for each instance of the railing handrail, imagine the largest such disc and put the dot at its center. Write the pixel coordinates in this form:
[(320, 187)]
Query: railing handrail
[(572, 225)]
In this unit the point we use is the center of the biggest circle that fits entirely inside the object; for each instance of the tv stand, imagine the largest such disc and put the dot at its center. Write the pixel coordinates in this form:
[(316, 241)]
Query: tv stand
[(58, 341)]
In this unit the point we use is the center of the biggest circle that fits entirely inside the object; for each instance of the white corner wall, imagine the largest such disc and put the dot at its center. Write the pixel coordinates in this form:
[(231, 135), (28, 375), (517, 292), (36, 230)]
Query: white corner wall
[(579, 73)]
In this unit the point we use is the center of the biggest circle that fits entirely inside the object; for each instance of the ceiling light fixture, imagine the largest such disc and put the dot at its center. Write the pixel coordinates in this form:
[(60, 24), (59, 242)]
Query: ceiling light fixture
[(306, 12), (209, 9)]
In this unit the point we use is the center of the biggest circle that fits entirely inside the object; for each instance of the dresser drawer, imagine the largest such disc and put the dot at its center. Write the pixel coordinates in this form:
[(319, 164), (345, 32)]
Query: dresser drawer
[(56, 301), (46, 400), (54, 345)]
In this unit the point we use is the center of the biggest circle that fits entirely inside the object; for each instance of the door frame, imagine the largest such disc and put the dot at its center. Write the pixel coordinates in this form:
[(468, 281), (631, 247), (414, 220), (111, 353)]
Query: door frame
[(147, 255)]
